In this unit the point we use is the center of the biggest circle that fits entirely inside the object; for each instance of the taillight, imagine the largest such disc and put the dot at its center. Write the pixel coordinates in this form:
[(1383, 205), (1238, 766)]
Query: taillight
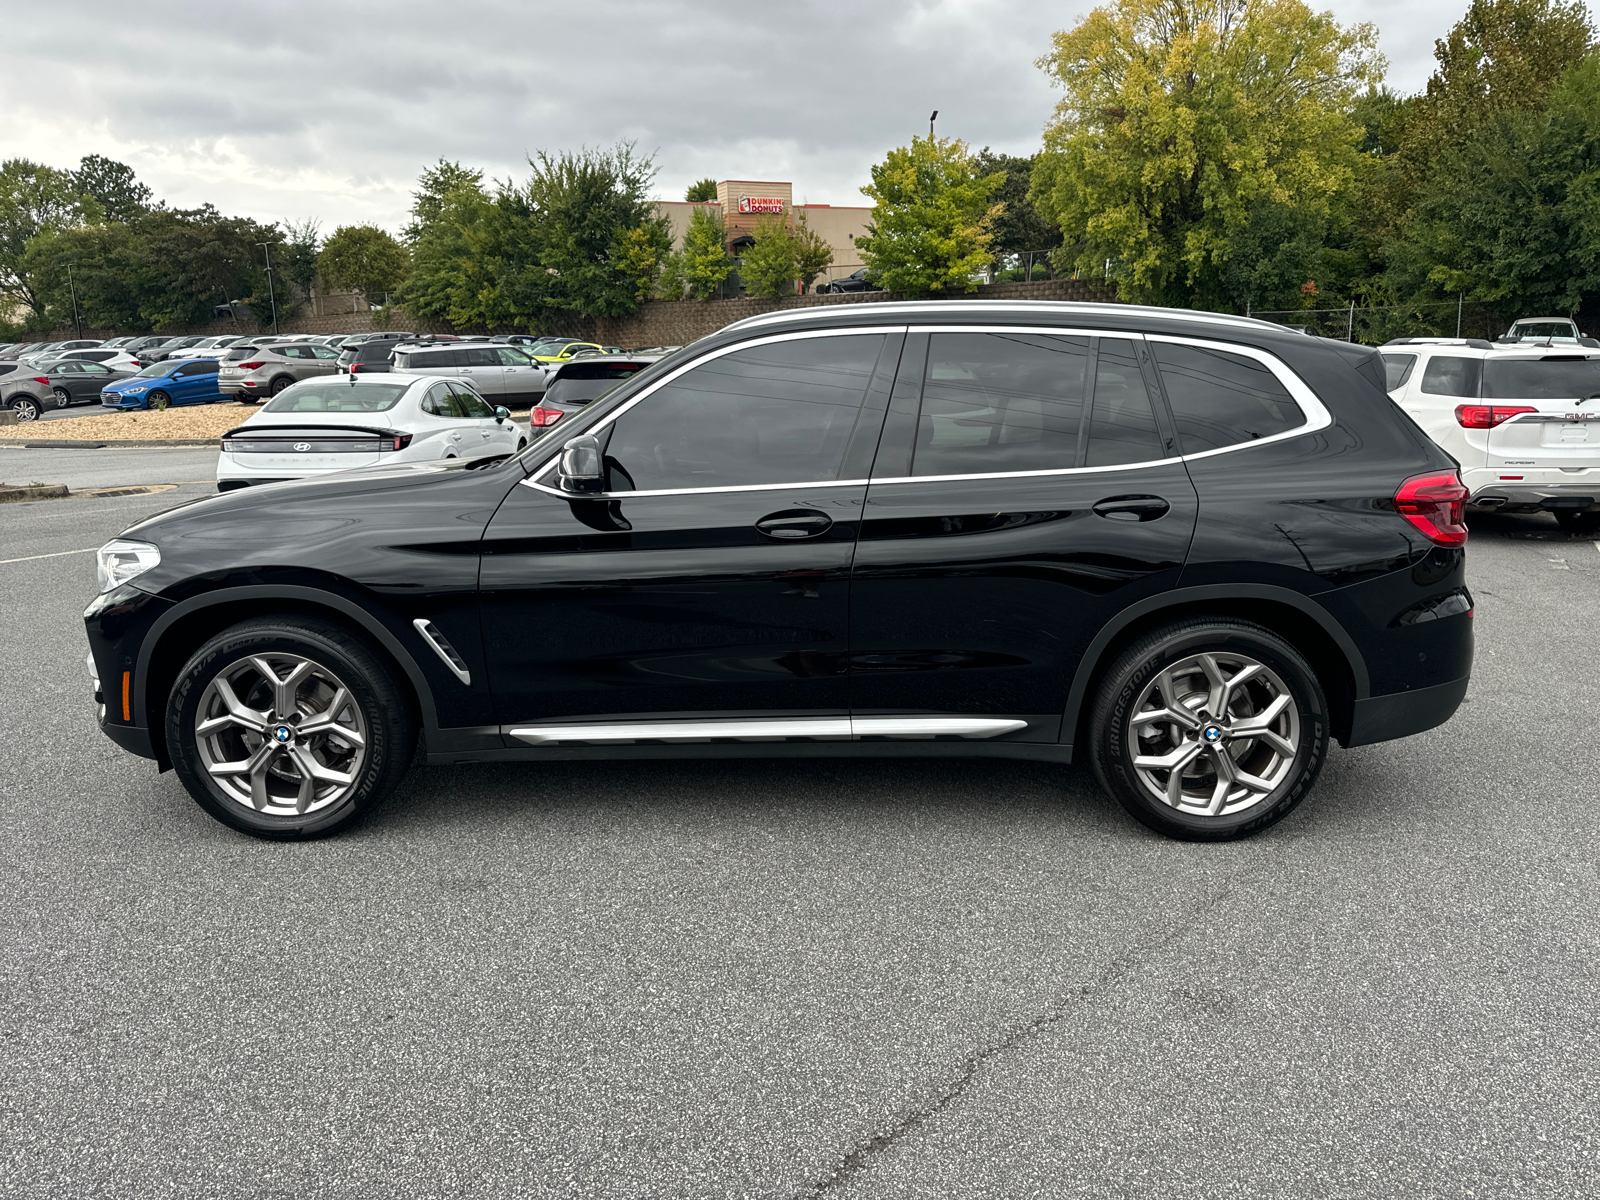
[(545, 416), (41, 379), (1436, 504), (399, 442), (252, 366), (136, 363), (1487, 416)]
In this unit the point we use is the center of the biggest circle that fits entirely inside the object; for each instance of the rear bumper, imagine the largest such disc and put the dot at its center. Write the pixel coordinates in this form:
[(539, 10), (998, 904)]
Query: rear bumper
[(1384, 718), (1533, 488)]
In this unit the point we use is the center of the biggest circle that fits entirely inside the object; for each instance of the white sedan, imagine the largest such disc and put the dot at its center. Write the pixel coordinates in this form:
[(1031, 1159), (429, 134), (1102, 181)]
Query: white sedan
[(336, 423)]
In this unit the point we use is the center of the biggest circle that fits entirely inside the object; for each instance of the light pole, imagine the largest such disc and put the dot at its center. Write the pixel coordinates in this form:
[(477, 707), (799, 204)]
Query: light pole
[(272, 295), (931, 120), (77, 325)]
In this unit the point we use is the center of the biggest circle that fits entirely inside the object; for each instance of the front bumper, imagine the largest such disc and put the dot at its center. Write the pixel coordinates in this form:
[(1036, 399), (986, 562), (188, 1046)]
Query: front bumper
[(117, 400)]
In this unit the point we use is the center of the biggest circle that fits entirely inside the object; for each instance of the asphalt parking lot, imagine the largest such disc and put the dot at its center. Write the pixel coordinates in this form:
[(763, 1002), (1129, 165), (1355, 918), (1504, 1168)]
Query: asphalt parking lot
[(802, 978)]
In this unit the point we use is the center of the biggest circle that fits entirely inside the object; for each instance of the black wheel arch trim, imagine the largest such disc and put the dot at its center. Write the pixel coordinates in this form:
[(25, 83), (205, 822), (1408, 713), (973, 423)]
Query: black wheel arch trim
[(341, 605), (1092, 658)]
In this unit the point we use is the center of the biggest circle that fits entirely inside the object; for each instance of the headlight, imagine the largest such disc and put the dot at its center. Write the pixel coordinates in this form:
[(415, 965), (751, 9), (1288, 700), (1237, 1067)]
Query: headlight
[(135, 391), (119, 561)]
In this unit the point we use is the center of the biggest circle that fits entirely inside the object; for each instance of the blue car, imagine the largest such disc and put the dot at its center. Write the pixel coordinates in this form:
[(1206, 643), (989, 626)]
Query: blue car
[(184, 381)]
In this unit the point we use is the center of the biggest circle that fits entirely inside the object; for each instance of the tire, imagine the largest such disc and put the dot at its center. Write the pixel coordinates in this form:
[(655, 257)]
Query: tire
[(276, 798), (155, 400), (278, 384), (1583, 523), (1165, 671), (63, 397), (27, 408)]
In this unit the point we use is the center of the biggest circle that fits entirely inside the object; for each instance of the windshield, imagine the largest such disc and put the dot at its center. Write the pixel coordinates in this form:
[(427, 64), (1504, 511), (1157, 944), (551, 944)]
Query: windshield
[(338, 397), (1563, 378), (1546, 329), (161, 368)]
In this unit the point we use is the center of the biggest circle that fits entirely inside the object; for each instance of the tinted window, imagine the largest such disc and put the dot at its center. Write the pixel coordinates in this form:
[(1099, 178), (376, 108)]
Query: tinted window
[(1542, 379), (1000, 402), (433, 360), (471, 405), (337, 397), (778, 413), (439, 402), (479, 357), (1397, 369), (1122, 421), (1448, 375), (1222, 399), (7, 368), (238, 354)]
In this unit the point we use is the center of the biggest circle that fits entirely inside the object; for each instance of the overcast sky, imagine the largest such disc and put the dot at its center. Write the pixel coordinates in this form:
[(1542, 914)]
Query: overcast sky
[(329, 110)]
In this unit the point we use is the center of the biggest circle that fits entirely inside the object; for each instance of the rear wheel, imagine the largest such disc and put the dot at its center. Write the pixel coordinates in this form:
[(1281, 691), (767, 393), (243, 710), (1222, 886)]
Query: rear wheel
[(63, 397), (26, 408), (1209, 729), (288, 728), (1577, 522)]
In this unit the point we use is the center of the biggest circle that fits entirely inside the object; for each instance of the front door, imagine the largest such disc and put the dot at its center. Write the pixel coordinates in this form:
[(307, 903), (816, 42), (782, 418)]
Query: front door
[(710, 579), (1026, 491)]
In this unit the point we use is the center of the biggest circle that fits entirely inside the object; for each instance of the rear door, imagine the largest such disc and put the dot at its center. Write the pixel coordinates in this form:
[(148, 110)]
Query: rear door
[(482, 365), (198, 381), (1026, 490)]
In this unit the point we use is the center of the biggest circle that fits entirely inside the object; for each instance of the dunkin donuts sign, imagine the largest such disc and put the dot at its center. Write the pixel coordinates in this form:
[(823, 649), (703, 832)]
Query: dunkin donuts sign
[(761, 204)]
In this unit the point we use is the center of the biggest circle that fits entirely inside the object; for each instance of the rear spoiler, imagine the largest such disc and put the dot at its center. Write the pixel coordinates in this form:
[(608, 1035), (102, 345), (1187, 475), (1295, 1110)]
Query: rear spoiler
[(266, 432)]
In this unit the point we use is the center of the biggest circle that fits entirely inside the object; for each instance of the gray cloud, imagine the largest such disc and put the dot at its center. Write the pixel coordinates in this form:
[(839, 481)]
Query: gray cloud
[(309, 110)]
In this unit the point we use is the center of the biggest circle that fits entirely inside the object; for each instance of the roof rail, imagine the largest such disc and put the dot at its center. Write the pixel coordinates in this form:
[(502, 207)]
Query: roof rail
[(890, 308)]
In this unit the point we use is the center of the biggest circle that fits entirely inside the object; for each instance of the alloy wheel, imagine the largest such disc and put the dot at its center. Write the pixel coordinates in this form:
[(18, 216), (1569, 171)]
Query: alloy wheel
[(281, 735), (26, 410), (1214, 734)]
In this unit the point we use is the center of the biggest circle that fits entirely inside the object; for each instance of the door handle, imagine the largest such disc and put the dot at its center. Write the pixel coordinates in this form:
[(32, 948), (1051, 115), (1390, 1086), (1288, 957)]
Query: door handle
[(1132, 508), (795, 523)]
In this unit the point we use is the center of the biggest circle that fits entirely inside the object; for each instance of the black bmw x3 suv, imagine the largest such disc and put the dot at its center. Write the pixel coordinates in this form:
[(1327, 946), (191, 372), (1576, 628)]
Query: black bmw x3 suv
[(1184, 549)]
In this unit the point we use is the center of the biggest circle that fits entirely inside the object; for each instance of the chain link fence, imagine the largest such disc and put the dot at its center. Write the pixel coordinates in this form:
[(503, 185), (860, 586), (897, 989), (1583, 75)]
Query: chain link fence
[(1375, 324)]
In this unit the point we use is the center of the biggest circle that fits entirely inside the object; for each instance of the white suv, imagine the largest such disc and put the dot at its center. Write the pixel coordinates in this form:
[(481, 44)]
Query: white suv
[(1522, 419)]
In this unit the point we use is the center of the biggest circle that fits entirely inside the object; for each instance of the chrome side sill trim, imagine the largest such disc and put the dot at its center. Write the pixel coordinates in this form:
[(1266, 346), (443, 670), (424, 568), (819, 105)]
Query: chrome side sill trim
[(827, 729), (442, 647)]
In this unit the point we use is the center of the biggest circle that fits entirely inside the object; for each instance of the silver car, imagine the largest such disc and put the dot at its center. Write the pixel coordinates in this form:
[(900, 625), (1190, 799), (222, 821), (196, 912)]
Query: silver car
[(256, 371), (501, 374)]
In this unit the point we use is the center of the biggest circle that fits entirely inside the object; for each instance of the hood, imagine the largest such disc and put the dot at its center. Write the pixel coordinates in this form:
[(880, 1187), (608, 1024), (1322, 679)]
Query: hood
[(121, 384)]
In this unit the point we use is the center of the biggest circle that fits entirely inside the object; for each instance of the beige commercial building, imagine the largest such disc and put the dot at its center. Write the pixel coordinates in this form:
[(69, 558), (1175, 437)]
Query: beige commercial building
[(742, 201)]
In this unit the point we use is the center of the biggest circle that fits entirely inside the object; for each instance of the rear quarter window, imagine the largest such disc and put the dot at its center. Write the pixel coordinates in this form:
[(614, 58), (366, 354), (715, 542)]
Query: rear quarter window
[(1220, 398), (1452, 375)]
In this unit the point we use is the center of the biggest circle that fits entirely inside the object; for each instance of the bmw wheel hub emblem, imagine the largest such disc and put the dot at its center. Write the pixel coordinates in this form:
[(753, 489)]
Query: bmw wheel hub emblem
[(1212, 733), (283, 735)]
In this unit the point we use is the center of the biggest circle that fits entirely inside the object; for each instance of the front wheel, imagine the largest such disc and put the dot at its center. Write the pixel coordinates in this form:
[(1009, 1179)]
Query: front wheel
[(279, 384), (157, 400), (1209, 729), (288, 727), (1578, 522)]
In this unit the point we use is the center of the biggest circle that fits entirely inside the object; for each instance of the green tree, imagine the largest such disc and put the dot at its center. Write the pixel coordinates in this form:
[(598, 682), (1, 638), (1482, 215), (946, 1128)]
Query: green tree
[(437, 189), (1018, 228), (34, 199), (113, 185), (365, 259), (1180, 119), (932, 217), (295, 257), (812, 254), (701, 191), (706, 263), (768, 266)]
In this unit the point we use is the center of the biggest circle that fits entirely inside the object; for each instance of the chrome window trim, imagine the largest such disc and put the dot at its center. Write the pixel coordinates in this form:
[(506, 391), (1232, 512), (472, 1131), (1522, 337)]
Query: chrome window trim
[(1317, 415), (550, 463)]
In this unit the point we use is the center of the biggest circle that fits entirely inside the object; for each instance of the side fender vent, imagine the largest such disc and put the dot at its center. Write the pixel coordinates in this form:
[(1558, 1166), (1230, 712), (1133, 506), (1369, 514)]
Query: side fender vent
[(442, 647)]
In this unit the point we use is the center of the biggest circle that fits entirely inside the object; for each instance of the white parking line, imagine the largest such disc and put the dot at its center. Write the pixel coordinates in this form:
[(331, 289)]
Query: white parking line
[(57, 554)]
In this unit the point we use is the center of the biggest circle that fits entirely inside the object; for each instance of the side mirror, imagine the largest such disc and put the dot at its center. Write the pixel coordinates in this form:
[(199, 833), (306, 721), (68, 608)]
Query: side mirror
[(501, 412), (582, 469)]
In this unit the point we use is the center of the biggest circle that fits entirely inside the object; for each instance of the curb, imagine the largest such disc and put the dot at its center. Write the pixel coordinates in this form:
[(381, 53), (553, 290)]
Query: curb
[(45, 491), (85, 444)]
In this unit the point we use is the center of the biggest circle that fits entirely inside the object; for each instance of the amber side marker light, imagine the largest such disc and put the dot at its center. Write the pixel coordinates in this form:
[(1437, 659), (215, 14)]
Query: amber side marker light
[(127, 711)]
